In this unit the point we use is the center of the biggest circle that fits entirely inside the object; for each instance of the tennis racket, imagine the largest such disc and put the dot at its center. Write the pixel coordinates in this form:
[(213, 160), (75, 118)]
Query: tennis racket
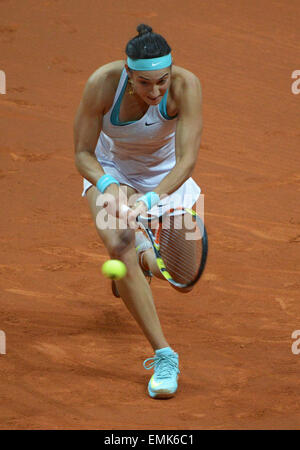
[(180, 244)]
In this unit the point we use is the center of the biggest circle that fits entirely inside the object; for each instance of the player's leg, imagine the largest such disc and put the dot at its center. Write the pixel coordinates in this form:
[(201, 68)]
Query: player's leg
[(133, 288), (137, 296), (145, 253), (148, 263)]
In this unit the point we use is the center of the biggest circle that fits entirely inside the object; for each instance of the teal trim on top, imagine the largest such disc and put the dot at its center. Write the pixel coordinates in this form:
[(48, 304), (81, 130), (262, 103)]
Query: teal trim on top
[(114, 117), (163, 107)]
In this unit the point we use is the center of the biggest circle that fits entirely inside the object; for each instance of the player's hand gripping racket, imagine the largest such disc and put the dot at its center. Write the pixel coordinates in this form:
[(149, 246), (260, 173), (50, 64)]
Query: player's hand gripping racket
[(179, 241)]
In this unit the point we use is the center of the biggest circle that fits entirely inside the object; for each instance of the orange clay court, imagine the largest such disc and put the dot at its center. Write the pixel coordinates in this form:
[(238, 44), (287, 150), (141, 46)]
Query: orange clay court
[(73, 353)]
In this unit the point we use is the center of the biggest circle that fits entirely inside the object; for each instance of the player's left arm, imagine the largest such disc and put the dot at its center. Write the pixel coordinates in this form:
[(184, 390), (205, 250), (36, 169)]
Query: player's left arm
[(188, 97), (188, 134)]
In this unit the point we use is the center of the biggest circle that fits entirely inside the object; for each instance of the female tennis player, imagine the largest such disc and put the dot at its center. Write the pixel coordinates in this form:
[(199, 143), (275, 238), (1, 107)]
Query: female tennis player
[(137, 132)]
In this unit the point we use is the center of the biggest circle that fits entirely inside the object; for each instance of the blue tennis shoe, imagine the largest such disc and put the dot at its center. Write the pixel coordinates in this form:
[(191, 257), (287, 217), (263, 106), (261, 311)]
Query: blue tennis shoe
[(163, 383)]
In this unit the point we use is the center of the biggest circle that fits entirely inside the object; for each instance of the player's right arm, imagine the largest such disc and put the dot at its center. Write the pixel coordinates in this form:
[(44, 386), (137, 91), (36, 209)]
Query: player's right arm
[(87, 127), (97, 97)]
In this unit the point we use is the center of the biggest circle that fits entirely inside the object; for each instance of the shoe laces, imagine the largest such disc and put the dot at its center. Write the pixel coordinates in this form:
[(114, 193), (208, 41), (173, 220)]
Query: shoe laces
[(164, 365)]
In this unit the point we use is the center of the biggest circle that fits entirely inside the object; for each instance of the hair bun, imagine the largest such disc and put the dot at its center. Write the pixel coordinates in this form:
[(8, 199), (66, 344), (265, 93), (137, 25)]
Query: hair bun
[(143, 29)]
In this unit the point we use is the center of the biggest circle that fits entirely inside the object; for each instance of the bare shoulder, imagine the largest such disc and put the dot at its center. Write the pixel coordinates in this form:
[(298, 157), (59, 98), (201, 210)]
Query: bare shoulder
[(101, 86), (185, 86)]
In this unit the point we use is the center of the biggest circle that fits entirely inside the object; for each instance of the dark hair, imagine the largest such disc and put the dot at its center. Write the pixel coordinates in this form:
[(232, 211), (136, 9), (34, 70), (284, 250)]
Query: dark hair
[(147, 44)]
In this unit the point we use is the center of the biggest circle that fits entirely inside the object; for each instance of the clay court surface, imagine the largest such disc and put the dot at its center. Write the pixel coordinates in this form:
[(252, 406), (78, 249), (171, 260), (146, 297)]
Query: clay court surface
[(74, 355)]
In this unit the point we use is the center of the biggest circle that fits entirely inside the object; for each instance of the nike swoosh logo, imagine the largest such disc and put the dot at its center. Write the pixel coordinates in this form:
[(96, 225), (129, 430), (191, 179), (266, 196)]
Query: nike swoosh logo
[(154, 384), (155, 64), (148, 124)]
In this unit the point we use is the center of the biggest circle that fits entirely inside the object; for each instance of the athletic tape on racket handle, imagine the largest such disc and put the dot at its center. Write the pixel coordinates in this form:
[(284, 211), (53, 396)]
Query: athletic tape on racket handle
[(125, 210)]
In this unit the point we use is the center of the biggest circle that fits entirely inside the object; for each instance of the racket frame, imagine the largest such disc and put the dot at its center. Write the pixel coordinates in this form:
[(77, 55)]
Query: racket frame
[(154, 239)]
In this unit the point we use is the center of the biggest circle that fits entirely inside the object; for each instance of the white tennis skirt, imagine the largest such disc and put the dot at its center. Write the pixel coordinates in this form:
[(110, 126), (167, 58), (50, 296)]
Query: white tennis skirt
[(185, 196)]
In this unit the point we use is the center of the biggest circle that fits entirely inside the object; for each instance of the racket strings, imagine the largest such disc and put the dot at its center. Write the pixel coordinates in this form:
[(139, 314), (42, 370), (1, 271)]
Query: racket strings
[(180, 253)]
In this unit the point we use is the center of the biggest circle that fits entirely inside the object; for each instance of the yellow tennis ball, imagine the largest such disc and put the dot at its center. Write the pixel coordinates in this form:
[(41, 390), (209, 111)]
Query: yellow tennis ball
[(114, 269)]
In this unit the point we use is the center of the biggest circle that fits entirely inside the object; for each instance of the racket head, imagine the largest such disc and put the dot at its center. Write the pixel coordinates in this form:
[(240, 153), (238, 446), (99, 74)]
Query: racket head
[(179, 240)]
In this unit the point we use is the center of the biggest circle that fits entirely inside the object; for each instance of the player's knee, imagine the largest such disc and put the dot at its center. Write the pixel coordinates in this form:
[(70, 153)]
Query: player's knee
[(120, 244)]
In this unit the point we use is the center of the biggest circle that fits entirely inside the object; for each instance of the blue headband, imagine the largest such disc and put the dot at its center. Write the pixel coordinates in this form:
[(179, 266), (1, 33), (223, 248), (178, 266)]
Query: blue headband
[(150, 64)]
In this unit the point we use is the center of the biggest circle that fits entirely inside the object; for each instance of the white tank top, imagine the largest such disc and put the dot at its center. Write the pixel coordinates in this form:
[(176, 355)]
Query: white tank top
[(142, 153), (140, 149)]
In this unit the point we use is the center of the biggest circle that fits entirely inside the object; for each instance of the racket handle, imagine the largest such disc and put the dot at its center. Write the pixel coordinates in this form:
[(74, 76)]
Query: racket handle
[(139, 219), (125, 209)]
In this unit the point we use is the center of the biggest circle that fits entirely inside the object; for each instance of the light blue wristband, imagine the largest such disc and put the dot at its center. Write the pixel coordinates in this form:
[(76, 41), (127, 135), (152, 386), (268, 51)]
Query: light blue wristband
[(105, 181), (150, 199)]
